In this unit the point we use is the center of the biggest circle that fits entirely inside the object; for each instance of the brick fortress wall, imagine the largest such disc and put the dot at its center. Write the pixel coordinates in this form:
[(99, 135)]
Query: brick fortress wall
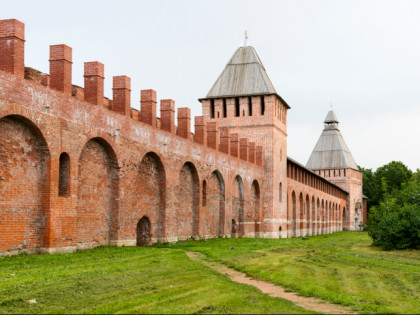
[(79, 170)]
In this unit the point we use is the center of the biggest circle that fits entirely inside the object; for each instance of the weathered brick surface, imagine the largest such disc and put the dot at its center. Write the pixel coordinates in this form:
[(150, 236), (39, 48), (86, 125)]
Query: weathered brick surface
[(98, 176), (73, 174), (12, 40), (24, 161)]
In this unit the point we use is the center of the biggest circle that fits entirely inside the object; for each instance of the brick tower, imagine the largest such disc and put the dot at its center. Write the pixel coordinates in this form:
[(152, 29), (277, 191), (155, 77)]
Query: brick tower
[(244, 101), (332, 159)]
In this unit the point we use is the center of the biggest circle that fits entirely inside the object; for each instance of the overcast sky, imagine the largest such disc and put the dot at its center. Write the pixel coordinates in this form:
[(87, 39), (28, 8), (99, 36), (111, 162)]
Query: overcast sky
[(361, 56)]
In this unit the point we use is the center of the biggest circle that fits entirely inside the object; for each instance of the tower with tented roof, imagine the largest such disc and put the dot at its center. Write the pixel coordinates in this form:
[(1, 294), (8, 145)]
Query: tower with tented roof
[(244, 101), (332, 159)]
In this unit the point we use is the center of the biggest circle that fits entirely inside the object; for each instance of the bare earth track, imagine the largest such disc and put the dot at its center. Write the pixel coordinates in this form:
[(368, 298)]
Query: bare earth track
[(309, 303)]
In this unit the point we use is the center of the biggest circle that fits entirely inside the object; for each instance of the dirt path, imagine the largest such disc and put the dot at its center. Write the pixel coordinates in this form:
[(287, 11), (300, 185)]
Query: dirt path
[(308, 303)]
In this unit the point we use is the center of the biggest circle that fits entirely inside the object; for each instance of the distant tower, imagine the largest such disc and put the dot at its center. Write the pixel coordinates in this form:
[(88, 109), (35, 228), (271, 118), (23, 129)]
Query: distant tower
[(332, 159), (244, 100)]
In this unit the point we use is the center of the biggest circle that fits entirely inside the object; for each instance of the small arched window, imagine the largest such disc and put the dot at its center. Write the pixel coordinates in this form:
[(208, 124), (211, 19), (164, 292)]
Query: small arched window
[(64, 175), (280, 192)]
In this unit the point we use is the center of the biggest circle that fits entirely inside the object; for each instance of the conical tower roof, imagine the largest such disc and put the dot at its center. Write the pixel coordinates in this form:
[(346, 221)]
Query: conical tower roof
[(331, 152), (243, 75)]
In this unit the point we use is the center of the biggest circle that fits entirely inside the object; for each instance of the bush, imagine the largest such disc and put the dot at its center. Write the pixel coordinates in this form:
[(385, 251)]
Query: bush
[(398, 229)]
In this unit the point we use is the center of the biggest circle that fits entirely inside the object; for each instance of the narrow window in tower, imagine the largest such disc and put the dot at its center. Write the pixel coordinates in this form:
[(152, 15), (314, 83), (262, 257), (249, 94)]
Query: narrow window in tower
[(224, 108), (204, 197), (64, 175), (250, 106), (262, 105), (218, 114), (237, 111), (280, 192), (211, 108)]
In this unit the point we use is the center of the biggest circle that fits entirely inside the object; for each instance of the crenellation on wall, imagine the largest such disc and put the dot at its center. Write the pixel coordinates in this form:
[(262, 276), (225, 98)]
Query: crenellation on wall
[(213, 135), (184, 123), (224, 140), (94, 82), (234, 144), (121, 95), (251, 152), (243, 149), (61, 68), (12, 47), (200, 128), (148, 107), (167, 115)]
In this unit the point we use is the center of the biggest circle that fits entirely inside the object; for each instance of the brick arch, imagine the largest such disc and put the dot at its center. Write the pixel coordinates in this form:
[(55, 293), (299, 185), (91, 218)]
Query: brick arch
[(293, 213), (33, 119), (214, 215), (106, 140), (344, 219), (143, 232), (301, 215), (255, 206), (98, 194), (307, 216), (150, 192), (329, 215), (313, 217), (187, 205), (318, 216), (322, 216), (237, 206), (337, 217), (25, 164)]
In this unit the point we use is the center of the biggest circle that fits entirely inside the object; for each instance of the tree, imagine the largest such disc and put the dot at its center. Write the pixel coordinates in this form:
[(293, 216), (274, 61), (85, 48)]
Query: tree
[(395, 174), (369, 187), (395, 222)]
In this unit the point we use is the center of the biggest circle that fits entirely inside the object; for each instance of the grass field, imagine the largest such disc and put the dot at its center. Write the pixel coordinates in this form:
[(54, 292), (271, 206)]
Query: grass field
[(342, 268), (125, 280)]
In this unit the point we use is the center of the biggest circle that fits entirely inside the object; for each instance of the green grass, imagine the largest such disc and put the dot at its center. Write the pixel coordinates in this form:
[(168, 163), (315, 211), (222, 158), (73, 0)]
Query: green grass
[(125, 280), (342, 268)]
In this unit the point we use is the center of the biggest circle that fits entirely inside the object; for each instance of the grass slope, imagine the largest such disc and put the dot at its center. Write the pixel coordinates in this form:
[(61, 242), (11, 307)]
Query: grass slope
[(125, 280), (341, 267)]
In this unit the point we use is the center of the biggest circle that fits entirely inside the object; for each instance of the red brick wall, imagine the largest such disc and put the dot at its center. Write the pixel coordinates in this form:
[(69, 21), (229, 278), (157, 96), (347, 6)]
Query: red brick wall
[(253, 216), (238, 206), (214, 210), (97, 206), (187, 213), (24, 163), (121, 169)]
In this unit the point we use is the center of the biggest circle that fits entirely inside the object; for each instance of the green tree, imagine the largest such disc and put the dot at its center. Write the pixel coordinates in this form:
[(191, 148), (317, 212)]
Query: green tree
[(369, 186), (395, 174), (395, 222)]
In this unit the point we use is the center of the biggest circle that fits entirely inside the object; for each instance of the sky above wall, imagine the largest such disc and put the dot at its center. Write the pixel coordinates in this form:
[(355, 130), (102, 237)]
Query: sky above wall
[(361, 56)]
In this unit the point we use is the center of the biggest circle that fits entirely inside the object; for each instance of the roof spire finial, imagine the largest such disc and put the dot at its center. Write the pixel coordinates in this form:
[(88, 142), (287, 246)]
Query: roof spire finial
[(246, 43), (331, 105)]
